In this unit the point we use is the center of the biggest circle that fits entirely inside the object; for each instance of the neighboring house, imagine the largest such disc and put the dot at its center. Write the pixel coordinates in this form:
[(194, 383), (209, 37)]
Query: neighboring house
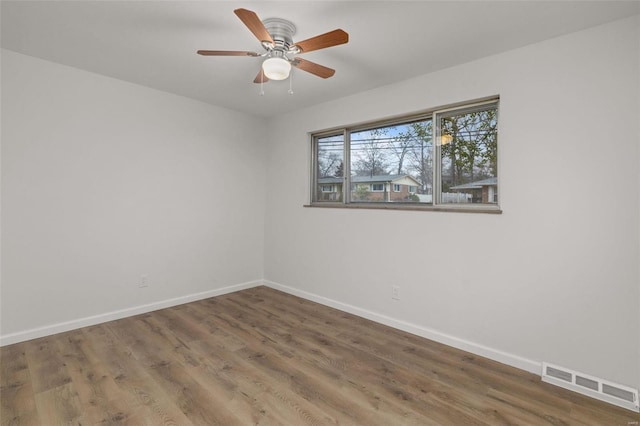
[(330, 189), (484, 191), (381, 188)]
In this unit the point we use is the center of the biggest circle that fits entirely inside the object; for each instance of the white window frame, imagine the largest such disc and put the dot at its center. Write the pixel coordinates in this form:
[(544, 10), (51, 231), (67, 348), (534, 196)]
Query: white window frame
[(372, 187), (397, 185)]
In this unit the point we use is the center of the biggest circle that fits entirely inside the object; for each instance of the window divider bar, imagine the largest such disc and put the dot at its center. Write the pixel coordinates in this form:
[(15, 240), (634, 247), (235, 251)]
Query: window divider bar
[(436, 190), (346, 168)]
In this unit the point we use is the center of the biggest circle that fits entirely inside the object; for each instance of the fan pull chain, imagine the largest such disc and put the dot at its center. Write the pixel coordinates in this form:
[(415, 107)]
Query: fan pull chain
[(261, 82), (291, 83)]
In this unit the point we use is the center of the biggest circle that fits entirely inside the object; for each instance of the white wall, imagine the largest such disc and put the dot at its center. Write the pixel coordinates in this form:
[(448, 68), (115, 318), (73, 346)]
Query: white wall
[(103, 181), (554, 278)]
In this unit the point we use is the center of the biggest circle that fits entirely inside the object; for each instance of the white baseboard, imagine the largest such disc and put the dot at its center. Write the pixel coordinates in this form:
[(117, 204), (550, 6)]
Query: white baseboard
[(61, 327), (465, 345)]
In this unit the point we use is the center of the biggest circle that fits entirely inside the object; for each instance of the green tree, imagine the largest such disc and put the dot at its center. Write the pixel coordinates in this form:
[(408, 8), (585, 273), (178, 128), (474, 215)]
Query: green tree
[(472, 153), (361, 193), (339, 172), (418, 141)]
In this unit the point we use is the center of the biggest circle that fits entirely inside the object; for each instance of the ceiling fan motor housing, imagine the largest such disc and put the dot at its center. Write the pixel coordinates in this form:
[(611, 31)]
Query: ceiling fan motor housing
[(282, 32)]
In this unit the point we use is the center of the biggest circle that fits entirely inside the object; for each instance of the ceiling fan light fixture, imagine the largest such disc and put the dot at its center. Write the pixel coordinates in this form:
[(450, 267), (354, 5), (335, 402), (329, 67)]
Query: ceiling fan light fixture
[(446, 139), (276, 68)]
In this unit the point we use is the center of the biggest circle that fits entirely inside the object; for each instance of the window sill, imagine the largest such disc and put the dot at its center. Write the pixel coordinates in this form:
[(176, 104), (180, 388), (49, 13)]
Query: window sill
[(394, 206)]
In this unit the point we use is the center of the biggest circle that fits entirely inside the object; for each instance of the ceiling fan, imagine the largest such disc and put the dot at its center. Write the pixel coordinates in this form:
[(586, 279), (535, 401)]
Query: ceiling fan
[(276, 37)]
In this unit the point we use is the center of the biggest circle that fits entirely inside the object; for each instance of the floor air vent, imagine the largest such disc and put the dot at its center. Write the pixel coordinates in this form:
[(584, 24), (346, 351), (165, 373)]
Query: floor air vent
[(622, 396)]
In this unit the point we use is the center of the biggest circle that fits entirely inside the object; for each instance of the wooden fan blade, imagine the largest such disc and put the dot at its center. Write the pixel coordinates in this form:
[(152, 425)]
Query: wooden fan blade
[(332, 38), (226, 53), (255, 25), (313, 68), (260, 78)]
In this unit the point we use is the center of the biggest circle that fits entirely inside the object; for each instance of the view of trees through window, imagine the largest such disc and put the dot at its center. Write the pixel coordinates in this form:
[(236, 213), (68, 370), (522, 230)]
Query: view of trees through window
[(330, 168), (469, 156), (395, 163), (399, 155)]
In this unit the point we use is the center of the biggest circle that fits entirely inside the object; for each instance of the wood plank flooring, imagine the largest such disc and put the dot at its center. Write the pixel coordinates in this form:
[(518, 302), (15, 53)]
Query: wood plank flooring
[(260, 356)]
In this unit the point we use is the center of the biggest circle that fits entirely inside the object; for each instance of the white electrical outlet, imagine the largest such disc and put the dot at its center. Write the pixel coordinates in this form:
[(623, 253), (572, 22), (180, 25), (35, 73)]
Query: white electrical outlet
[(395, 292), (144, 281)]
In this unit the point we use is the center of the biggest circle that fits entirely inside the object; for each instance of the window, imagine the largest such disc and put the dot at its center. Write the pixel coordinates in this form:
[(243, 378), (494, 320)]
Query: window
[(468, 155), (446, 158), (329, 168)]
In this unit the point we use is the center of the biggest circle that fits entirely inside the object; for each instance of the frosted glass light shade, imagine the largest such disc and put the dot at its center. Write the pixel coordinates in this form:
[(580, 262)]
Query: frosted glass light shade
[(276, 68)]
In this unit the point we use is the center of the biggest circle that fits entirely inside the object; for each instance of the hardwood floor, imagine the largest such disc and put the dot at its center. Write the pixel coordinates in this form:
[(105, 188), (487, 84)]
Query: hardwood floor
[(260, 356)]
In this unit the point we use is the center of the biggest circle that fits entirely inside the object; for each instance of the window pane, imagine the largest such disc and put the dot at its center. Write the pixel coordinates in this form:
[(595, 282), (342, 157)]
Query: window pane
[(330, 168), (393, 163), (469, 156)]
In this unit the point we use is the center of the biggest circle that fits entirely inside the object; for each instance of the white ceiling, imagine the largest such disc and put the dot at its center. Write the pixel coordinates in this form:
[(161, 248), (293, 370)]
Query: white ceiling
[(153, 43)]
